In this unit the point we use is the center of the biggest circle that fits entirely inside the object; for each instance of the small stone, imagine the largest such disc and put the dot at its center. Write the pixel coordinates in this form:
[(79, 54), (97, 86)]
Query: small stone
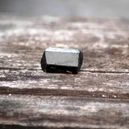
[(61, 60)]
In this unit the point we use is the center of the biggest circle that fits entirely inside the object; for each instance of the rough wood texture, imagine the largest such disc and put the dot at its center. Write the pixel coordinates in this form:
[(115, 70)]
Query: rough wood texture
[(96, 98)]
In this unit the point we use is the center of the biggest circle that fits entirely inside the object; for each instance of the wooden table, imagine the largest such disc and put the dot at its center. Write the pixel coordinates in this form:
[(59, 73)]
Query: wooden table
[(96, 98)]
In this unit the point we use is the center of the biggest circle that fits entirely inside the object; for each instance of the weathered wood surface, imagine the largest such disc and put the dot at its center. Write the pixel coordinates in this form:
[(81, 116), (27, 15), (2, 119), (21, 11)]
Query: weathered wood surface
[(97, 97)]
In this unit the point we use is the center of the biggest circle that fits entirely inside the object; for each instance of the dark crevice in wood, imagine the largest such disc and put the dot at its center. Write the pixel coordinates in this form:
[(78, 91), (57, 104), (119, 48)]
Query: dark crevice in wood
[(60, 92), (102, 71), (82, 70), (39, 127), (16, 69), (8, 68)]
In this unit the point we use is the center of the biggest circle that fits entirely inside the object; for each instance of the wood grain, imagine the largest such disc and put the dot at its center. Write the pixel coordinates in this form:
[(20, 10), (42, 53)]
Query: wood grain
[(96, 98)]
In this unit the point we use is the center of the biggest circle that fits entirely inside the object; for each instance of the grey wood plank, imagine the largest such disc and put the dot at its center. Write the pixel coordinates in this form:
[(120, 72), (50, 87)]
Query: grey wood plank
[(97, 97), (60, 112)]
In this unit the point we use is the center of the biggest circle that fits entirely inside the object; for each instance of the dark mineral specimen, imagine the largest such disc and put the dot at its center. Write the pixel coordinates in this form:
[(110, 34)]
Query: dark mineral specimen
[(61, 60)]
